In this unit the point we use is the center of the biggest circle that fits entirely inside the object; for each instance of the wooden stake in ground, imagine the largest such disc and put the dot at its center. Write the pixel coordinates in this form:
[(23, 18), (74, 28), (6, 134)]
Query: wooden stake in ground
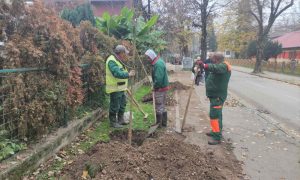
[(131, 86), (187, 106)]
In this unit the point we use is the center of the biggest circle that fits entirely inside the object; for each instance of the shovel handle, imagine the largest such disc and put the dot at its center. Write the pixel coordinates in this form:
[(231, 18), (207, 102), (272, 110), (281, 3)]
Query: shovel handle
[(135, 102), (187, 107)]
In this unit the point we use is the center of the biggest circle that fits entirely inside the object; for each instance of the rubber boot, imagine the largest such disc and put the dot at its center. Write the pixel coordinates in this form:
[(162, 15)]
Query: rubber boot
[(214, 142), (159, 118), (209, 134), (113, 121), (165, 119), (121, 119)]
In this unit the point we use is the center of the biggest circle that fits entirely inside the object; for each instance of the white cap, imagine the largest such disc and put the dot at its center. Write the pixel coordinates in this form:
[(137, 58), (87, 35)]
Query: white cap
[(121, 48), (151, 54)]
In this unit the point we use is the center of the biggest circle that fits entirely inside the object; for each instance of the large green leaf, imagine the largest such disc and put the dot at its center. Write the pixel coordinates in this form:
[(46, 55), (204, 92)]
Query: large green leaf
[(148, 25)]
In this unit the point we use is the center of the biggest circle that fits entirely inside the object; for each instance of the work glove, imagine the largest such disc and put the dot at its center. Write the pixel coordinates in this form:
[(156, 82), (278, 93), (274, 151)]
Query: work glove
[(196, 69), (202, 65), (131, 73)]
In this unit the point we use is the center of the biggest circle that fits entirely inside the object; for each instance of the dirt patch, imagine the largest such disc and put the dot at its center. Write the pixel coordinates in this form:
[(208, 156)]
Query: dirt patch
[(232, 102), (167, 157), (178, 86), (170, 101)]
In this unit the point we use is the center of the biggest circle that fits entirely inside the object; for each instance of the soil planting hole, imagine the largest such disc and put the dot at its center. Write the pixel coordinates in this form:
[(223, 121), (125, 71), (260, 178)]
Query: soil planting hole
[(138, 137)]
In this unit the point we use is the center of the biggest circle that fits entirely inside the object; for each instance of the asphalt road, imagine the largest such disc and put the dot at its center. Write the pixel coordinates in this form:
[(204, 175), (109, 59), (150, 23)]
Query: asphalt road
[(280, 99)]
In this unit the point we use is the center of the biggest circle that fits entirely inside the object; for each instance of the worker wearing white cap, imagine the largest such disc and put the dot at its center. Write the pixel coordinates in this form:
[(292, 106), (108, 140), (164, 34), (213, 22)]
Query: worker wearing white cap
[(160, 86)]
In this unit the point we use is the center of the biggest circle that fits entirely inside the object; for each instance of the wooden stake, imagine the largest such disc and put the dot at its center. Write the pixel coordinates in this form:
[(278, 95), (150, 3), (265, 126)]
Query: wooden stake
[(187, 106), (131, 87)]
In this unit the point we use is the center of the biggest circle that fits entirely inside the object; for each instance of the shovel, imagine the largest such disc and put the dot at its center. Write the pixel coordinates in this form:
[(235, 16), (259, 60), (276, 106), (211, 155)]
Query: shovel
[(137, 105), (153, 127)]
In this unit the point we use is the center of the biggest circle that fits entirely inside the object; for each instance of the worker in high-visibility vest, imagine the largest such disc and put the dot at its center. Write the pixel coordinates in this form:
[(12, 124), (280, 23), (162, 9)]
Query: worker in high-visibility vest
[(116, 84), (219, 73)]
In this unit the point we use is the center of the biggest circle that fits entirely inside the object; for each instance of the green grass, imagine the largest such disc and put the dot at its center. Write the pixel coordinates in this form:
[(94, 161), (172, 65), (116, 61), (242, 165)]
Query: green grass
[(138, 122), (99, 134)]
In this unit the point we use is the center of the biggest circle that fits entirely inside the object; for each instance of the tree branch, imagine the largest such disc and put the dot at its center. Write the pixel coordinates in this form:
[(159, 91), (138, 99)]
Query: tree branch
[(196, 24), (285, 8), (255, 16)]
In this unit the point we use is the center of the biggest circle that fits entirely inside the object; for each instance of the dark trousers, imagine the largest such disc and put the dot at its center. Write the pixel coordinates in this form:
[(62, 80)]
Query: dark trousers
[(117, 103), (160, 102), (215, 114)]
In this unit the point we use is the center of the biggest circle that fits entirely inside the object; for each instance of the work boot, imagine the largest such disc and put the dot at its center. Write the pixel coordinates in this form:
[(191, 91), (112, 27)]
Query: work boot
[(113, 121), (159, 118), (165, 119), (121, 119), (214, 142)]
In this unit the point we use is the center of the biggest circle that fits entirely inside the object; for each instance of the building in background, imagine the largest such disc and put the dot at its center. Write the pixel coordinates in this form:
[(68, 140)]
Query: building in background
[(290, 46), (111, 6), (99, 6), (59, 5)]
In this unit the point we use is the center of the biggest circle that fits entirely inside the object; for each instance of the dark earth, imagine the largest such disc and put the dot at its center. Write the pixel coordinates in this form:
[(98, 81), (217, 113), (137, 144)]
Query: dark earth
[(164, 157)]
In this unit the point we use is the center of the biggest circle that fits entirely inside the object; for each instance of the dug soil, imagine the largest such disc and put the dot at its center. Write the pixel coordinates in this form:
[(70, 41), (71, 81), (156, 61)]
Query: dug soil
[(170, 101), (163, 157)]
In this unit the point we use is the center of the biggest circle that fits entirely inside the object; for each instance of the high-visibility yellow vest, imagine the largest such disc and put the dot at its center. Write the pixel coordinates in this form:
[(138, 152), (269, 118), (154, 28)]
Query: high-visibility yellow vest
[(114, 84)]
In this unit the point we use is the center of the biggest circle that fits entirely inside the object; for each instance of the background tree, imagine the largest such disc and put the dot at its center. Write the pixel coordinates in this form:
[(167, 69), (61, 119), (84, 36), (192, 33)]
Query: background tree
[(271, 49), (82, 12), (265, 13), (236, 29), (175, 19), (212, 39), (205, 9)]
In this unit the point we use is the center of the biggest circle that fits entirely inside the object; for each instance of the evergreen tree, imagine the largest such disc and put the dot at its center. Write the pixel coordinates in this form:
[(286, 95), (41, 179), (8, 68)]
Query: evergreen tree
[(82, 12)]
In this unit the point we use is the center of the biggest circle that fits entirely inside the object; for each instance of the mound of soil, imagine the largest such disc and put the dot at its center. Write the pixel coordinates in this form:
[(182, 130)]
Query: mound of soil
[(167, 157), (178, 86)]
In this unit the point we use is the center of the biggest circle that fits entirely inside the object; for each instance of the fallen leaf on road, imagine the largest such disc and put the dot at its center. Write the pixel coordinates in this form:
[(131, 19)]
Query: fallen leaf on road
[(84, 174)]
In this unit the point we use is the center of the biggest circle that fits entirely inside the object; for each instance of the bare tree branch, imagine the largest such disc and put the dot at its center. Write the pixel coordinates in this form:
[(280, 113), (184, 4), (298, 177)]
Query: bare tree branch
[(285, 8)]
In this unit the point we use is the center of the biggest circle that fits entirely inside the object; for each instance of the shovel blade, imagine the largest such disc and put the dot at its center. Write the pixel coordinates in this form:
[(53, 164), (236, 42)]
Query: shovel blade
[(152, 129)]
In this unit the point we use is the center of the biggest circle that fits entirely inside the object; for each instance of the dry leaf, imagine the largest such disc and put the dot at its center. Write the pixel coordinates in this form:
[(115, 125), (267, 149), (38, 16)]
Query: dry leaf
[(84, 174)]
